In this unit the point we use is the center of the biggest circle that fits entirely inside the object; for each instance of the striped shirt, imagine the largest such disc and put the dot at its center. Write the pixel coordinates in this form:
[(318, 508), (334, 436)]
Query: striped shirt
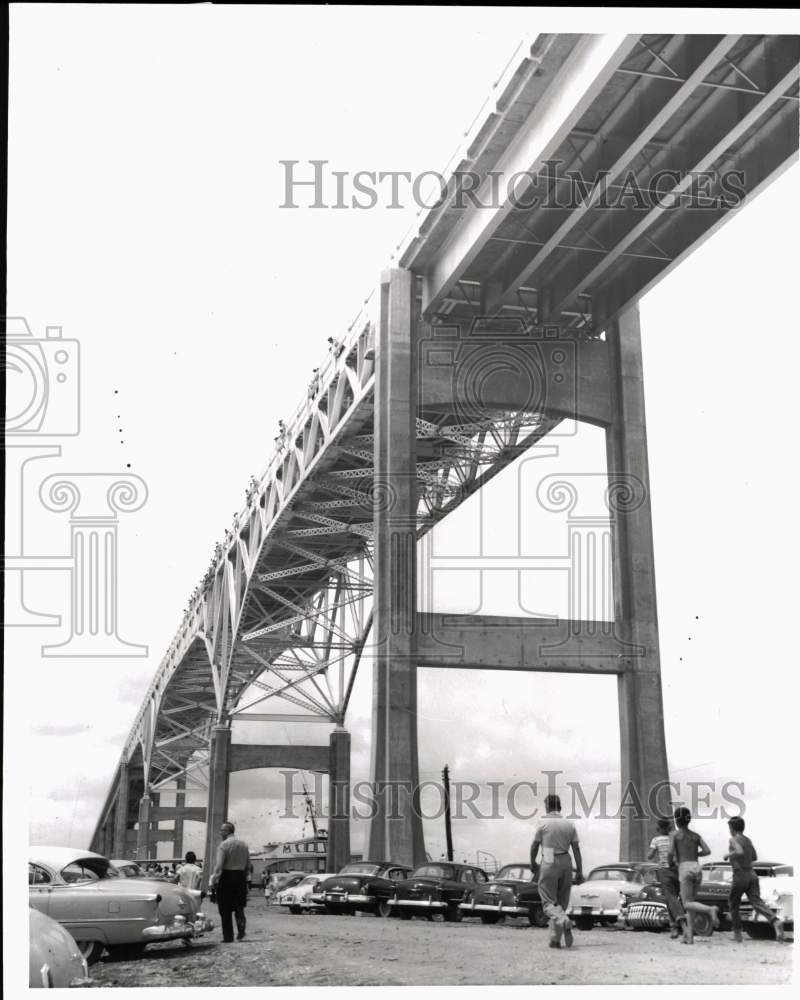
[(661, 844)]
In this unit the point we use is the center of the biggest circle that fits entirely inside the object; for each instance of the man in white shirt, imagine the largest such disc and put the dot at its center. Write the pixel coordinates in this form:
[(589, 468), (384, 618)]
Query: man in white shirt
[(556, 835)]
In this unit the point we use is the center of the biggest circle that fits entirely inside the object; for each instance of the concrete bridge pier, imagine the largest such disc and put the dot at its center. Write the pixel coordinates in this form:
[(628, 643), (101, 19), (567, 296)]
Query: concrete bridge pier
[(395, 831), (143, 828), (120, 843), (643, 752), (218, 787), (338, 799)]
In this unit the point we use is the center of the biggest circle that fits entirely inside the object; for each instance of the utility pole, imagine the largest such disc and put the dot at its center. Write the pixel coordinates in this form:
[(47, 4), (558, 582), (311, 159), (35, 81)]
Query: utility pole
[(447, 827)]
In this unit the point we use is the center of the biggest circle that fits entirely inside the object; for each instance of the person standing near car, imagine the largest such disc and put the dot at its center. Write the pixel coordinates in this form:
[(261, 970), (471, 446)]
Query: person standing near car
[(741, 855), (685, 848), (229, 879), (667, 875), (189, 875), (555, 836)]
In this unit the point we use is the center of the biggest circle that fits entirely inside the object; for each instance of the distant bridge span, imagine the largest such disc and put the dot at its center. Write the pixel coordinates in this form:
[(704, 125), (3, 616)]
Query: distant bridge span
[(502, 315)]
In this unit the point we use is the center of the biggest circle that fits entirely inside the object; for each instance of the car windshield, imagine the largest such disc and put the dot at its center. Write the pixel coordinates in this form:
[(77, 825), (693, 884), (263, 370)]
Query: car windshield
[(362, 869), (309, 880), (88, 870), (521, 872), (435, 871), (614, 875)]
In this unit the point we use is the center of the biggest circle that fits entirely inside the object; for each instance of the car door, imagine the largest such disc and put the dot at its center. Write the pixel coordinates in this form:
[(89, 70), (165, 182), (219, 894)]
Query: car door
[(39, 886), (466, 881)]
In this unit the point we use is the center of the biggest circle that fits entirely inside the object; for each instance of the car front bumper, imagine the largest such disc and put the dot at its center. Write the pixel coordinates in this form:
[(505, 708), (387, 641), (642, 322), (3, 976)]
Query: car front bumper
[(348, 899), (175, 931), (498, 908), (595, 912)]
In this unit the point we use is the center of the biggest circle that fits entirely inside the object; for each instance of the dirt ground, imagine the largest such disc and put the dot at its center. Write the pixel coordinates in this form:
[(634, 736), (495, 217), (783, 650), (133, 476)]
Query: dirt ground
[(323, 950)]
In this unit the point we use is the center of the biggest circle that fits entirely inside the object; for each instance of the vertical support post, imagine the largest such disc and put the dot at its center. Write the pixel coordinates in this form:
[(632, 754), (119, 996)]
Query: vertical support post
[(143, 834), (180, 802), (218, 784), (643, 752), (396, 828), (121, 813), (339, 800)]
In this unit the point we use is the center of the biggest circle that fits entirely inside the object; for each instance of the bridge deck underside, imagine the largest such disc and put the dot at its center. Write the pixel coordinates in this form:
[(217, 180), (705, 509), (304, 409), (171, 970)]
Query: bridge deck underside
[(662, 110)]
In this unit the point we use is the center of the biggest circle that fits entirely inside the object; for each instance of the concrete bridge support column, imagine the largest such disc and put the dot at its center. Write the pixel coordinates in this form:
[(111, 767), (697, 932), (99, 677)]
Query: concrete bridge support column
[(339, 800), (143, 833), (218, 783), (121, 813), (180, 801), (396, 829), (644, 767)]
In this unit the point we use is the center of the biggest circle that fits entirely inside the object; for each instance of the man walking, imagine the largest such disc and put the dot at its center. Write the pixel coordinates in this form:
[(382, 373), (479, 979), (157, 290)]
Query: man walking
[(741, 855), (686, 847), (667, 875), (230, 881), (556, 835)]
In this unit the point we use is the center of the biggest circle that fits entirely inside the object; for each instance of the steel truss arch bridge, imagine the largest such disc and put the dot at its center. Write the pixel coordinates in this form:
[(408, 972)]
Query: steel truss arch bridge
[(502, 315)]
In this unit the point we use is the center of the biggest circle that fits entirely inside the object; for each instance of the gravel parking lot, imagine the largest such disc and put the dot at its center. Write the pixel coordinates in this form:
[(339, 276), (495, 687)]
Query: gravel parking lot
[(366, 951)]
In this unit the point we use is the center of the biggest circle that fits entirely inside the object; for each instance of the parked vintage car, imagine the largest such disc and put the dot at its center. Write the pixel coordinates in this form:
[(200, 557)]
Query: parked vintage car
[(599, 899), (436, 887), (55, 961), (278, 882), (362, 885), (87, 896), (299, 897), (776, 882), (512, 892)]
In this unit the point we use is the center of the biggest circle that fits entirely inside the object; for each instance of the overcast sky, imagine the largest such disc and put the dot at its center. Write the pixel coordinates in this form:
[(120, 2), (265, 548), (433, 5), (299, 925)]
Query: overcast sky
[(144, 218)]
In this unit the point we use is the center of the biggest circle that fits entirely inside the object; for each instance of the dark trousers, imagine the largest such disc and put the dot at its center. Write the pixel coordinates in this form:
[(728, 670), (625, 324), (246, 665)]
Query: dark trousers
[(231, 901), (745, 883), (668, 879)]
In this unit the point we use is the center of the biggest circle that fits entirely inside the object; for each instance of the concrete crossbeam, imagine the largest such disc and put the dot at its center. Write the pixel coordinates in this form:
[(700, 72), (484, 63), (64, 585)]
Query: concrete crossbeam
[(493, 642), (248, 756)]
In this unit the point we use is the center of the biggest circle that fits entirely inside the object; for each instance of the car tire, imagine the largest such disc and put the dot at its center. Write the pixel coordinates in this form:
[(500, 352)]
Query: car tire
[(759, 931), (584, 923), (608, 921), (489, 918), (296, 910), (703, 925), (91, 950), (382, 909), (537, 917), (126, 952)]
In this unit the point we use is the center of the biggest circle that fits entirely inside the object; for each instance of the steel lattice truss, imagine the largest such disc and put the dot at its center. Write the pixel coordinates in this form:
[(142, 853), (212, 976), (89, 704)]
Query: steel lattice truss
[(285, 613)]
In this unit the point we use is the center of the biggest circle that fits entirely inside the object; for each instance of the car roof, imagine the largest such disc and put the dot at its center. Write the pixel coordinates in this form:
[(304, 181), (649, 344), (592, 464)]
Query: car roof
[(383, 864), (452, 864), (756, 864), (635, 866), (59, 857)]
